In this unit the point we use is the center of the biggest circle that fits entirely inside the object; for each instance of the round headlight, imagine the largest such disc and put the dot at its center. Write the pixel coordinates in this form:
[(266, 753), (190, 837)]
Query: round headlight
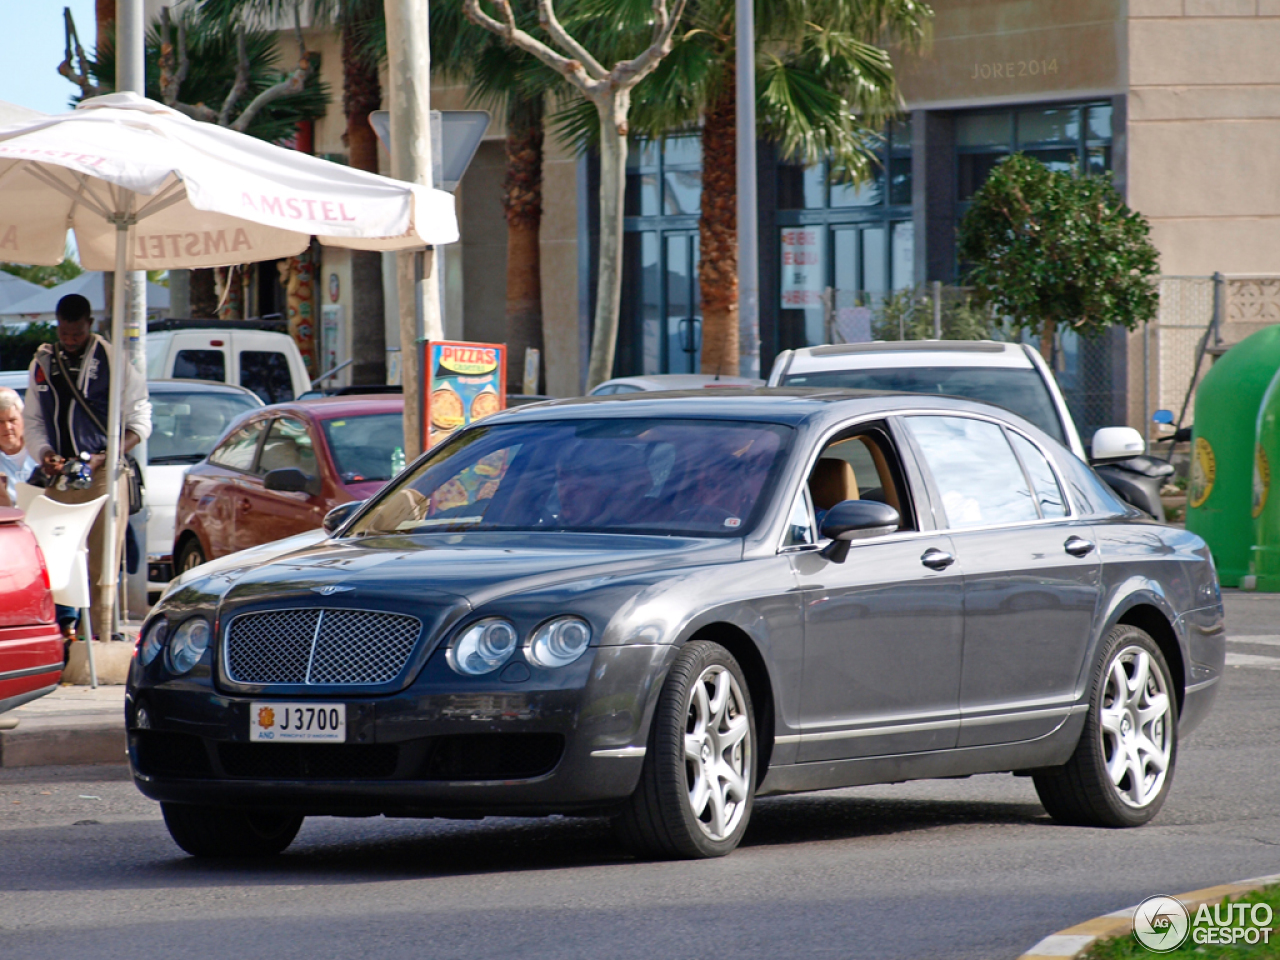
[(190, 641), (153, 640), (483, 647), (559, 642)]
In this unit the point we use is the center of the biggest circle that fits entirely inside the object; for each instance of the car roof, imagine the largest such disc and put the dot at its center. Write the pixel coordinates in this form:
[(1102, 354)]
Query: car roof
[(682, 381), (792, 406), (331, 408), (179, 385), (909, 353)]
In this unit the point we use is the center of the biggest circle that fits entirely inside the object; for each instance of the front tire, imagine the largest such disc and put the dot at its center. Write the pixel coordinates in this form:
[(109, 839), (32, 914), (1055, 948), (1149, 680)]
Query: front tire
[(1121, 770), (697, 787), (228, 832)]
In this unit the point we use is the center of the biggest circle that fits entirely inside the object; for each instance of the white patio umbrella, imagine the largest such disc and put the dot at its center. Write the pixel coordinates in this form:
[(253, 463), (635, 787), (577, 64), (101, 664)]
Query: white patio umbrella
[(146, 188)]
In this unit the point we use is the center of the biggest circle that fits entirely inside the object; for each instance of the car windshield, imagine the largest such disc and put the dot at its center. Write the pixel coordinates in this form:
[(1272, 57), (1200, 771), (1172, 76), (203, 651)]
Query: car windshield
[(677, 477), (364, 446), (186, 426), (1020, 391)]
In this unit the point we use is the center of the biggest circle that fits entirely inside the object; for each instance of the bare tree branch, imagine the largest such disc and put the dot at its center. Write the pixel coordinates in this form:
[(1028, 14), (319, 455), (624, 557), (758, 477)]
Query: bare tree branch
[(74, 51), (550, 23), (293, 83), (571, 70), (241, 85), (664, 29)]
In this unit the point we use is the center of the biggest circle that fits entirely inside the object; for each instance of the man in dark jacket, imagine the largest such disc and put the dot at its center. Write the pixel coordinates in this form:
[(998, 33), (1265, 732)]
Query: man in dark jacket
[(65, 415)]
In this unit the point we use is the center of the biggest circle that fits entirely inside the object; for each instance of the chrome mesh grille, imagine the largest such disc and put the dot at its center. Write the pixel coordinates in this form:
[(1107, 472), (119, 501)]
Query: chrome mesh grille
[(319, 647)]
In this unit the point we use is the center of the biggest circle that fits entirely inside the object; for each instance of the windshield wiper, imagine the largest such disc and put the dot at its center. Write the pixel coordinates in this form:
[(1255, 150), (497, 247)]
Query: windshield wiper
[(177, 458)]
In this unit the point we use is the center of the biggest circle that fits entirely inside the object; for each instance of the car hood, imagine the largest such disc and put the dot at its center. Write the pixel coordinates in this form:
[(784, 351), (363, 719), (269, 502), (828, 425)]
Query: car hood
[(478, 566)]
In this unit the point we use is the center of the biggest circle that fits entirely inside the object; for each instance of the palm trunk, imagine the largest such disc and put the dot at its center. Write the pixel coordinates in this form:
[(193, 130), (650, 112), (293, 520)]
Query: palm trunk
[(522, 201), (104, 15), (718, 233), (362, 94), (613, 108), (204, 294)]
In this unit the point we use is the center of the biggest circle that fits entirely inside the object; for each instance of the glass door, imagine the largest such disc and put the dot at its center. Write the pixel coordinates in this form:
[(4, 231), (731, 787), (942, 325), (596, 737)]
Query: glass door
[(683, 321)]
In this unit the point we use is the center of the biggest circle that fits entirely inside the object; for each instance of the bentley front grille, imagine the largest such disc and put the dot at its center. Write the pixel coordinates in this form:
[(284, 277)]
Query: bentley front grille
[(319, 647)]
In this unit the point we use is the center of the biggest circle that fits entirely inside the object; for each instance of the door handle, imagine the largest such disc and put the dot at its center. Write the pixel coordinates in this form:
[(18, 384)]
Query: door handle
[(1078, 546), (245, 504), (937, 559)]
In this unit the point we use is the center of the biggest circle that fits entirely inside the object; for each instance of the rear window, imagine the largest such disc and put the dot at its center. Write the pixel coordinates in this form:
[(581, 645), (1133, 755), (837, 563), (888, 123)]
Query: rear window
[(185, 426), (200, 365), (266, 373), (1019, 391), (365, 447)]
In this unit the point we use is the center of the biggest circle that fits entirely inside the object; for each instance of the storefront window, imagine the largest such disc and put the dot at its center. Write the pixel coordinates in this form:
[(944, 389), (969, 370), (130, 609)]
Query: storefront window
[(1064, 138)]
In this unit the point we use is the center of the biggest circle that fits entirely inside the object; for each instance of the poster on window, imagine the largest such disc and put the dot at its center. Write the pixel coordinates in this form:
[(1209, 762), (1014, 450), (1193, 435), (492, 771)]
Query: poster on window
[(465, 382), (803, 273)]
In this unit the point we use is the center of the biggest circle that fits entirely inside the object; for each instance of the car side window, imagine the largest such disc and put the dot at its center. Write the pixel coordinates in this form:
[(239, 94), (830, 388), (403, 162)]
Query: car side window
[(861, 466), (266, 373), (800, 526), (200, 365), (237, 451), (976, 473), (288, 444), (1043, 481)]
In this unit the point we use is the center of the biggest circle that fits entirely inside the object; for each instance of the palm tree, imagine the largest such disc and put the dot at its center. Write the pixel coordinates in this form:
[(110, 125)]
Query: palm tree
[(515, 84), (825, 88)]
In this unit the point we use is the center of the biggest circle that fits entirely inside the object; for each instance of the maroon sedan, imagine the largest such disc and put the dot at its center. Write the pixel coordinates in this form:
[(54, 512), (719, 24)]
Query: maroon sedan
[(30, 641), (282, 468)]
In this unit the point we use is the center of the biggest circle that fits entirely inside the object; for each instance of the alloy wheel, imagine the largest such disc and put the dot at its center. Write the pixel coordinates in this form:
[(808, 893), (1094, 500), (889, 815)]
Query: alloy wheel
[(718, 752), (1136, 726)]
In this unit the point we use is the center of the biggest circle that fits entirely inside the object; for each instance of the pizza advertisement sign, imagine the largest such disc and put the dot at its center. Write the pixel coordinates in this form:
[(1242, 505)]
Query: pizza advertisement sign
[(464, 382)]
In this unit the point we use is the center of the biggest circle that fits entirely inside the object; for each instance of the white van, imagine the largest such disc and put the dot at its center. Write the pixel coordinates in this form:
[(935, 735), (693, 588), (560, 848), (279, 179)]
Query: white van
[(230, 351)]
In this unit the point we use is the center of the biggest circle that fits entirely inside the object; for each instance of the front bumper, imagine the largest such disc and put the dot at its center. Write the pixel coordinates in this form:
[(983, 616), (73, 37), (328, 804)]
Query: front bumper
[(543, 741)]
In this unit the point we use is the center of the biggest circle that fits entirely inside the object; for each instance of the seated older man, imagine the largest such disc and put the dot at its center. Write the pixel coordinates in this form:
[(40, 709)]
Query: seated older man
[(16, 465)]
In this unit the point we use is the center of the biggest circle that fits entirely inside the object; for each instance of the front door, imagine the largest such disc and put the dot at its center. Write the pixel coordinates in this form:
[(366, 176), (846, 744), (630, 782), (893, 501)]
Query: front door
[(884, 629)]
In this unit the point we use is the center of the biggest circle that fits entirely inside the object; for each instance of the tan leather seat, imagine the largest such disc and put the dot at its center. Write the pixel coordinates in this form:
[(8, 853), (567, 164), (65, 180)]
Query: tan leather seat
[(832, 482)]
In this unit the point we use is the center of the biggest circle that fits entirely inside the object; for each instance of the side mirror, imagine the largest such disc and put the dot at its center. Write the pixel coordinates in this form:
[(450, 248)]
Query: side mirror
[(1117, 443), (287, 480), (856, 520), (339, 515)]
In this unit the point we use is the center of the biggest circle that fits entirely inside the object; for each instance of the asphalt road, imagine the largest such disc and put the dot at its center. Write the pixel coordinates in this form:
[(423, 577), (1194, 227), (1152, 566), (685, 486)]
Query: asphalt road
[(957, 869)]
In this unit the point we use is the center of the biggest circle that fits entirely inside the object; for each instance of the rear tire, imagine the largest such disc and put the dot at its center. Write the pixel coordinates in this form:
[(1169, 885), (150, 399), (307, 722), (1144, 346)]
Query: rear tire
[(229, 832), (190, 556), (697, 786), (1123, 765)]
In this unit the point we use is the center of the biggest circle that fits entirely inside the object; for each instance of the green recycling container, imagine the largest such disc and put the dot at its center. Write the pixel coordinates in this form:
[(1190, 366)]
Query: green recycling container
[(1266, 508), (1223, 441)]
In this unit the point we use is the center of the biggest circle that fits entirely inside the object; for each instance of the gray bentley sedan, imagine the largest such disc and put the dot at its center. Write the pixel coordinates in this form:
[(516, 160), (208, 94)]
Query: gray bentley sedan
[(657, 607)]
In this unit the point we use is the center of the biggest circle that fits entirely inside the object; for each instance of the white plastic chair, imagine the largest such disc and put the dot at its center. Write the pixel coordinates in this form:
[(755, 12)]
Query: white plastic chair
[(62, 530), (27, 492)]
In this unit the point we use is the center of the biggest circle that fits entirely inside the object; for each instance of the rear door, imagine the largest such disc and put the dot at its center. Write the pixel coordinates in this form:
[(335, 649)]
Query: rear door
[(218, 487), (1031, 575)]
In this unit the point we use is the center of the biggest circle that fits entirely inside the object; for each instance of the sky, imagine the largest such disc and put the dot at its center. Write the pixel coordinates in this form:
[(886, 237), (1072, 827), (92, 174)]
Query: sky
[(31, 47)]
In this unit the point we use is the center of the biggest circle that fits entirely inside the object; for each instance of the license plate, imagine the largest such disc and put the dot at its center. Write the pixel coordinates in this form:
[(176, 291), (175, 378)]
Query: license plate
[(298, 722)]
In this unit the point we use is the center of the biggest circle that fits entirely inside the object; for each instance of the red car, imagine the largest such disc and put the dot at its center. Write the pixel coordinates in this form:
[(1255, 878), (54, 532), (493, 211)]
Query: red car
[(30, 641), (281, 468)]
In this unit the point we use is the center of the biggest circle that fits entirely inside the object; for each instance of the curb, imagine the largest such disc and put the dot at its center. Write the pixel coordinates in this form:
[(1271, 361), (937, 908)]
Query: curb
[(1074, 941), (63, 744)]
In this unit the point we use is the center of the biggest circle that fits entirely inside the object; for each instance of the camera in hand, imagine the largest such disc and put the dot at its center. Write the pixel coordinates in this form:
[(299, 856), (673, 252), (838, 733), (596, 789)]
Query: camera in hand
[(75, 474)]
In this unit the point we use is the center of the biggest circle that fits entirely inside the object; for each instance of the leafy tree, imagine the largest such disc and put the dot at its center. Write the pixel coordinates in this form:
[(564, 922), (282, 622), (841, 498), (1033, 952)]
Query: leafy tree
[(68, 269), (1045, 248), (17, 347), (825, 87)]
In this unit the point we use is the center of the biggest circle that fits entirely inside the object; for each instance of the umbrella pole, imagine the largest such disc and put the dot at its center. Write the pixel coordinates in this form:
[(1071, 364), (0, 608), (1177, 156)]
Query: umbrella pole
[(111, 563)]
